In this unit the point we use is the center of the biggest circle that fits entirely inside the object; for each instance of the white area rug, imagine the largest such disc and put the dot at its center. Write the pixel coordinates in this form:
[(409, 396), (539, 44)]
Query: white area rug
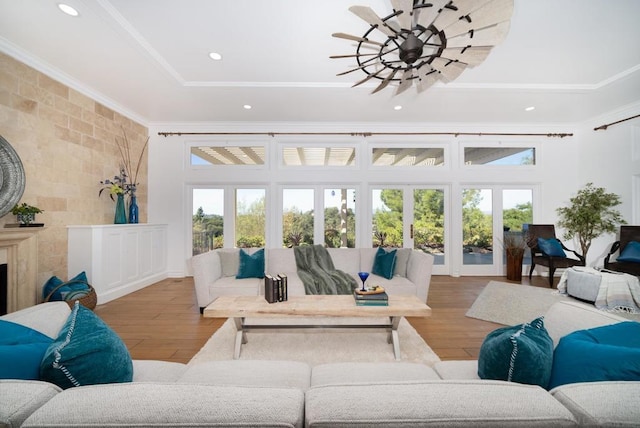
[(317, 345), (511, 304)]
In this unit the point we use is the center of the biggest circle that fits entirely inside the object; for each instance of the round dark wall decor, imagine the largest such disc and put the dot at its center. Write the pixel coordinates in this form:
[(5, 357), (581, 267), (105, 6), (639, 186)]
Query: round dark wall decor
[(12, 179)]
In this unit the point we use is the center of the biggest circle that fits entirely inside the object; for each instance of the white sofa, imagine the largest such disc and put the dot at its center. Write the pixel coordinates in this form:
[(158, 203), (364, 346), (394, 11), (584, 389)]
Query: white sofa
[(214, 272), (292, 394)]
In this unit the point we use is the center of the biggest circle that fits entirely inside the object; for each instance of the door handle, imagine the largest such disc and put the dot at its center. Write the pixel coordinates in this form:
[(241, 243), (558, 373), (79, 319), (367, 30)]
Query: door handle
[(411, 231)]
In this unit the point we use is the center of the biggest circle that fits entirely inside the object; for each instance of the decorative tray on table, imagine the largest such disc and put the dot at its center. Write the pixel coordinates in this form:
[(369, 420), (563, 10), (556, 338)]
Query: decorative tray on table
[(376, 289)]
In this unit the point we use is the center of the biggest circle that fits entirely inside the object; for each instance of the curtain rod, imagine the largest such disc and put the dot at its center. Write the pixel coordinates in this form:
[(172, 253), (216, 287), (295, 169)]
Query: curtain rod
[(369, 134), (605, 126)]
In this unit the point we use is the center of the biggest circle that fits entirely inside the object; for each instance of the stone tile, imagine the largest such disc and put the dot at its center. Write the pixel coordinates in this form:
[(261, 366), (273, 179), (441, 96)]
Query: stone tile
[(9, 82), (68, 107), (68, 135), (52, 115), (80, 126), (104, 111), (23, 104), (53, 86), (82, 100)]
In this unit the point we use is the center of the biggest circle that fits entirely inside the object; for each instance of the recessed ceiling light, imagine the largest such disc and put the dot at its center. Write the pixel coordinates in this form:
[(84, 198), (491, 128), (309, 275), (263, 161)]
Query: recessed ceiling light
[(246, 107), (397, 108), (68, 9), (530, 108), (215, 56)]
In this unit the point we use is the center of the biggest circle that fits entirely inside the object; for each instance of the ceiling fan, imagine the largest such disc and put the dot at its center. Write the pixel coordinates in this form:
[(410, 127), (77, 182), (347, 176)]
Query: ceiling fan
[(426, 41)]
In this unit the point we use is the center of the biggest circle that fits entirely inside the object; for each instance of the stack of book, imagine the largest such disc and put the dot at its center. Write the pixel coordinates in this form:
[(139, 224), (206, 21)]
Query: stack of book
[(369, 299), (275, 288)]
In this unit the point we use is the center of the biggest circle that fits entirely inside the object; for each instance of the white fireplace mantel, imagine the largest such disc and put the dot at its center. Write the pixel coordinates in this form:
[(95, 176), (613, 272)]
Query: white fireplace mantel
[(21, 246)]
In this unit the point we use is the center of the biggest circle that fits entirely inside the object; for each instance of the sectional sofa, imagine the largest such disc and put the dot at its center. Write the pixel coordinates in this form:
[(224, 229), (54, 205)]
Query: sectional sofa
[(214, 272), (241, 393)]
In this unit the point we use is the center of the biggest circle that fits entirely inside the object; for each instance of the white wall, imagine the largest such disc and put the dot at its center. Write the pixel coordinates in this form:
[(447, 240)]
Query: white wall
[(565, 165)]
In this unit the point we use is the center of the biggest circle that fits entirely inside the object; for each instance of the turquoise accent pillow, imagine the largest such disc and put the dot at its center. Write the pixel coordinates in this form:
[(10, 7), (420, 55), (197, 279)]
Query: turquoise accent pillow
[(384, 263), (21, 350), (551, 247), (607, 353), (60, 294), (631, 253), (251, 265), (87, 352), (521, 353)]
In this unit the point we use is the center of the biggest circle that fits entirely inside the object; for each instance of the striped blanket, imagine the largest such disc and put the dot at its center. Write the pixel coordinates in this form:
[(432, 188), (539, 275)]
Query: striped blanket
[(618, 292)]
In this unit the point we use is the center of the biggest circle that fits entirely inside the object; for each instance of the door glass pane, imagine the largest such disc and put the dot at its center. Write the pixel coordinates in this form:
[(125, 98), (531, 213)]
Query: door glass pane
[(428, 222), (477, 227), (208, 220), (297, 217), (340, 218), (517, 210), (387, 207), (250, 218)]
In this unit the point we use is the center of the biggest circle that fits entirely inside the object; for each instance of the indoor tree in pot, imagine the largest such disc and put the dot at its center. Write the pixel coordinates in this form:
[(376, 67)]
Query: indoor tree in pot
[(589, 215)]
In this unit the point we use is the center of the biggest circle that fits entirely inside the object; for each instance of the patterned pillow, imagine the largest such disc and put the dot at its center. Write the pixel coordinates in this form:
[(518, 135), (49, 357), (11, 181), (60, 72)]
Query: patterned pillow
[(86, 352), (522, 353)]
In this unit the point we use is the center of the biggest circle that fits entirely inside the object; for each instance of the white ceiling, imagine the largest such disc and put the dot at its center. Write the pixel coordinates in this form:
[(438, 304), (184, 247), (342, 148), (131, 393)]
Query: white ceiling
[(571, 59)]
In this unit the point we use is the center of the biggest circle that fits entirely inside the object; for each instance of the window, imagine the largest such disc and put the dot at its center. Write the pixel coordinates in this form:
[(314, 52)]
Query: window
[(499, 156), (250, 217), (297, 217), (227, 155), (340, 218), (408, 156), (208, 220), (318, 156), (387, 209)]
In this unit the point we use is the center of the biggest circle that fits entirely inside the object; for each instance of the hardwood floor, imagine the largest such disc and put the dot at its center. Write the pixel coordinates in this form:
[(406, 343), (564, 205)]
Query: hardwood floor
[(163, 321)]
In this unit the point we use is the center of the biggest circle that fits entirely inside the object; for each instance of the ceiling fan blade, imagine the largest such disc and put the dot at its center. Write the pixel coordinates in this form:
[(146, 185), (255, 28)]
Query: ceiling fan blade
[(489, 36), (358, 68), (449, 70), (490, 14), (428, 14), (406, 81), (369, 77), (385, 82), (356, 38), (351, 55), (471, 56), (426, 78), (368, 15), (405, 19)]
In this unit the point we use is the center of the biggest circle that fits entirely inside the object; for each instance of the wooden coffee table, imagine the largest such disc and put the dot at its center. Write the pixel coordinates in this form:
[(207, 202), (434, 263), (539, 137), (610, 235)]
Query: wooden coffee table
[(241, 307)]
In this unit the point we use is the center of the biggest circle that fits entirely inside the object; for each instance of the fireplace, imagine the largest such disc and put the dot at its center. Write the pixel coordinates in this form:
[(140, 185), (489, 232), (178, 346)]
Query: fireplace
[(19, 254)]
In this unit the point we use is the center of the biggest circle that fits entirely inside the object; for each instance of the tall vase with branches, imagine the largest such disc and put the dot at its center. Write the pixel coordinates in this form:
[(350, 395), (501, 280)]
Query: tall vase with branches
[(127, 181)]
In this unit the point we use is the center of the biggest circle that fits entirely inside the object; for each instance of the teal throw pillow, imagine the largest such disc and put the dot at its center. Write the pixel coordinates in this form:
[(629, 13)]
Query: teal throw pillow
[(384, 263), (77, 283), (630, 253), (521, 353), (608, 353), (251, 265), (87, 352), (21, 350), (551, 247)]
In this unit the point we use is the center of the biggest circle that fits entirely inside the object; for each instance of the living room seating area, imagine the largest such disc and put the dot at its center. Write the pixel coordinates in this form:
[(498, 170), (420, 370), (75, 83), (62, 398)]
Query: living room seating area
[(249, 393)]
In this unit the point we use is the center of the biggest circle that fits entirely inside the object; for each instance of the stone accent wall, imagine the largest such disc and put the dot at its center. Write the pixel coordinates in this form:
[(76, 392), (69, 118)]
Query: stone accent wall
[(67, 144)]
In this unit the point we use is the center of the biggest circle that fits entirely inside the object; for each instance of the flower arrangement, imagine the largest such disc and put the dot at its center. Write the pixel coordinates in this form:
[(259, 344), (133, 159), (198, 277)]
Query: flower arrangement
[(127, 181)]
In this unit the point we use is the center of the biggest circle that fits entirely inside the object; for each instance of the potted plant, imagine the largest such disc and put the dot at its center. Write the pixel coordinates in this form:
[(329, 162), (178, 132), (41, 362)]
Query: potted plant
[(25, 213), (589, 215), (515, 244)]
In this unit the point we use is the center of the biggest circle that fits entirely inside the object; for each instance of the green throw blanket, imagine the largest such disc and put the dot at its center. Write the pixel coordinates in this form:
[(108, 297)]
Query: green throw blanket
[(319, 276)]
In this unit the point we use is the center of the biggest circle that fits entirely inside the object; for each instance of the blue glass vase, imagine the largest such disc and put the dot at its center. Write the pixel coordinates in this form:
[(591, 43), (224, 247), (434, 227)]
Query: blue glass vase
[(133, 209), (121, 215)]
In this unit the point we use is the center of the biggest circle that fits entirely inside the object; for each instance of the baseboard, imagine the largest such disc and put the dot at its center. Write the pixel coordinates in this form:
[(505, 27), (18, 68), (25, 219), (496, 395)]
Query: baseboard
[(123, 290)]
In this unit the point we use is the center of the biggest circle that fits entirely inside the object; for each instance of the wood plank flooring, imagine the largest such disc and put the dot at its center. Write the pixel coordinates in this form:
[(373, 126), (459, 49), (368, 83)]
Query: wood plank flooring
[(163, 321)]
